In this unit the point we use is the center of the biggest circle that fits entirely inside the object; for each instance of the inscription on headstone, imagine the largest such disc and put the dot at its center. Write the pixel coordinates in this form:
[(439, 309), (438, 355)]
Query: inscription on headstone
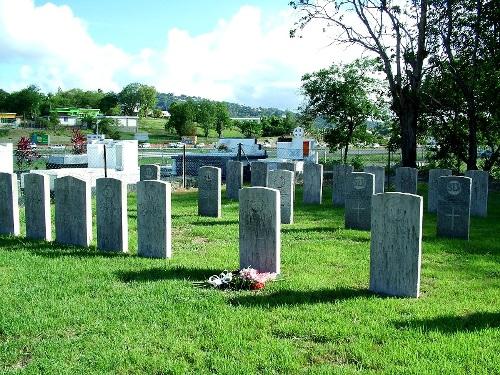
[(154, 224), (260, 227), (359, 190), (406, 180), (396, 244), (259, 173), (234, 179), (379, 173), (340, 173), (9, 206), (149, 172), (282, 180), (453, 213), (73, 213), (37, 206), (313, 183), (432, 195), (479, 193), (111, 214), (209, 191)]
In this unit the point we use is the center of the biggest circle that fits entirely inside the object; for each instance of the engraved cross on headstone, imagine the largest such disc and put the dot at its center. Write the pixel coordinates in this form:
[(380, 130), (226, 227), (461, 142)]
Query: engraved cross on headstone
[(358, 209), (453, 216)]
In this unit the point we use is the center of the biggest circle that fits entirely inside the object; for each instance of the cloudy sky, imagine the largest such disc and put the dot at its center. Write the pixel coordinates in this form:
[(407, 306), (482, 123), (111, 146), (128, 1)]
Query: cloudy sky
[(231, 50)]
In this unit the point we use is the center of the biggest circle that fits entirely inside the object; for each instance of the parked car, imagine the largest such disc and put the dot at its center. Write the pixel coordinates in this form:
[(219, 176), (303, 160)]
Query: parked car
[(199, 145), (144, 145), (57, 147), (176, 145)]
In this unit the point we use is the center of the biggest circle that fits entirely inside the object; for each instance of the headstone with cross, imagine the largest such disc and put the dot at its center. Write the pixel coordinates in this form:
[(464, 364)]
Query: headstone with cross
[(234, 178), (453, 212), (73, 212), (260, 241), (111, 215), (149, 172), (360, 188), (209, 191), (406, 180), (9, 206), (396, 244), (282, 180), (479, 193), (340, 174), (154, 219), (313, 183), (432, 190), (37, 206), (259, 172), (379, 173)]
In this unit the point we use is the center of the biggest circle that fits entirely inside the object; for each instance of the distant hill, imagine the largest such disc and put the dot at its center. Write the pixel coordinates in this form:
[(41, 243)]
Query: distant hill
[(235, 110)]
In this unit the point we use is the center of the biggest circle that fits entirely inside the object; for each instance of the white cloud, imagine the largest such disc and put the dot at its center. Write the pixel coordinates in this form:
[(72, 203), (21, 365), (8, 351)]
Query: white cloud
[(248, 58)]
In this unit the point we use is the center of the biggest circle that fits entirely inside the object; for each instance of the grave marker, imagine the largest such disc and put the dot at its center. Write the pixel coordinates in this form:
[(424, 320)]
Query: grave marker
[(432, 194), (111, 215), (453, 213), (259, 173), (406, 180), (209, 191), (154, 224), (37, 206), (396, 244), (73, 213), (149, 172), (479, 193), (313, 183), (360, 188), (9, 206), (379, 173), (259, 237), (234, 179), (282, 180), (340, 173)]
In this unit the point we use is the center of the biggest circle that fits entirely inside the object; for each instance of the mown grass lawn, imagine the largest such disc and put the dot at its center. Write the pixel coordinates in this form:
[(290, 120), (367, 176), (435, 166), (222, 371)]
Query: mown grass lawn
[(67, 310)]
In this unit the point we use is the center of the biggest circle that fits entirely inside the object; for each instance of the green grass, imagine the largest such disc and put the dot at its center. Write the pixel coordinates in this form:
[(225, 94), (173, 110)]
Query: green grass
[(70, 310)]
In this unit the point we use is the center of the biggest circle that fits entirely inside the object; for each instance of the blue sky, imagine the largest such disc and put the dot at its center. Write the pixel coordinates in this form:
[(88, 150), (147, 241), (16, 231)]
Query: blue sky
[(231, 50)]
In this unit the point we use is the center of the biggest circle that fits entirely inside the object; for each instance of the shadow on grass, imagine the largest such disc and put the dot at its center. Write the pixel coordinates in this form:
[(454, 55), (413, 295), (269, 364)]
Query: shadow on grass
[(285, 229), (214, 222), (53, 249), (158, 274), (294, 297), (453, 324)]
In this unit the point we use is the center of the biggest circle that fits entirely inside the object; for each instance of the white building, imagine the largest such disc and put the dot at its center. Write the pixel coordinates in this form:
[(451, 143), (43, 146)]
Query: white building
[(6, 157), (128, 122)]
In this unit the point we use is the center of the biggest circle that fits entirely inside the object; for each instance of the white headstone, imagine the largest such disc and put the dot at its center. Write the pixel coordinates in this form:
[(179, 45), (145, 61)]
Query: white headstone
[(111, 215), (6, 158), (340, 174), (479, 193), (260, 227), (360, 188), (406, 180), (234, 178), (313, 183), (396, 244), (432, 191), (9, 206), (453, 213), (154, 223), (259, 173), (379, 173), (282, 180), (37, 206), (73, 213), (149, 172), (209, 191)]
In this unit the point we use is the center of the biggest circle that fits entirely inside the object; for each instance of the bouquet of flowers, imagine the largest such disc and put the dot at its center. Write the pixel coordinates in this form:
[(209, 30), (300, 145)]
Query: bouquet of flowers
[(244, 279)]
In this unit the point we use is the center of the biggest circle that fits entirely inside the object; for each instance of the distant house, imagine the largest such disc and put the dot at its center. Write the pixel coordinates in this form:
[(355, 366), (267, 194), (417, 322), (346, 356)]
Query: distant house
[(70, 116), (9, 119), (128, 122)]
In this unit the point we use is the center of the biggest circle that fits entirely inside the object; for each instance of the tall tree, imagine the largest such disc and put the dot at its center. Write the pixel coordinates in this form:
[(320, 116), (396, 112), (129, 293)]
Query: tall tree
[(342, 96), (205, 115), (222, 119), (395, 31)]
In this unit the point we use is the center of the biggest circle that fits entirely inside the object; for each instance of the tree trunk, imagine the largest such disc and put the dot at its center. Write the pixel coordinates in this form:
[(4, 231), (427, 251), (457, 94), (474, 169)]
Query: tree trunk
[(408, 123)]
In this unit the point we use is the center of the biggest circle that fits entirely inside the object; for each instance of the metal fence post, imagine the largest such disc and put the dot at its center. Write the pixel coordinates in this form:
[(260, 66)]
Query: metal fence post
[(105, 163), (388, 167), (184, 166)]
